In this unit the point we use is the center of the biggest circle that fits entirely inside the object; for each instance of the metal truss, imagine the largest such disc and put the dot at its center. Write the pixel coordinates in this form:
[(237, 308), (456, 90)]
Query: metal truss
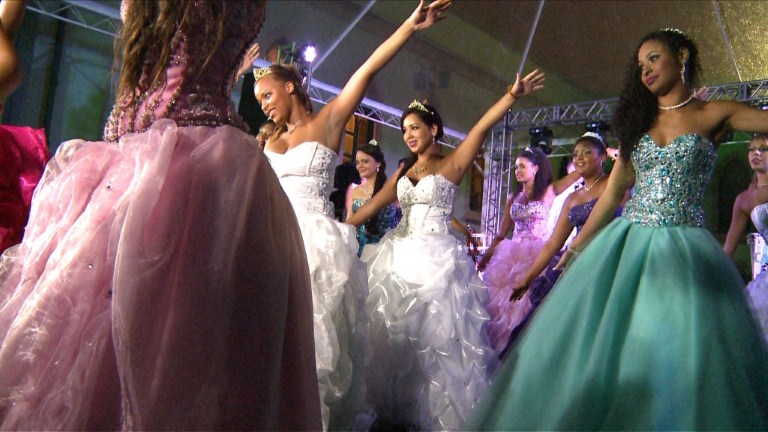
[(84, 13), (498, 167)]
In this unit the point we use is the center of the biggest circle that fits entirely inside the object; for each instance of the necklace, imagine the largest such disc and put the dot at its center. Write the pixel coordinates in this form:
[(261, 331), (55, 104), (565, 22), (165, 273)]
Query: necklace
[(587, 188), (683, 103), (417, 171), (761, 186), (367, 190), (291, 129)]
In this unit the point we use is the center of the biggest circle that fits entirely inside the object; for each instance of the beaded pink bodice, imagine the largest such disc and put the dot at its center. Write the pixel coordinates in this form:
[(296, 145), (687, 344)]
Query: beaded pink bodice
[(191, 96), (530, 220)]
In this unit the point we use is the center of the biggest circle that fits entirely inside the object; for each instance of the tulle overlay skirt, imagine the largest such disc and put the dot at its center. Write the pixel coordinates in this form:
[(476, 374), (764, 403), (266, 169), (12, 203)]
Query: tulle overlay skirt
[(647, 329), (510, 261), (339, 291), (757, 294), (161, 284), (431, 355)]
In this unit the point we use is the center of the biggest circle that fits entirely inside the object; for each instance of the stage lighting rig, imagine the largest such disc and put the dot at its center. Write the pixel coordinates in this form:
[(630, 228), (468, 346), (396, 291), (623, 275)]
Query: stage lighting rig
[(541, 138)]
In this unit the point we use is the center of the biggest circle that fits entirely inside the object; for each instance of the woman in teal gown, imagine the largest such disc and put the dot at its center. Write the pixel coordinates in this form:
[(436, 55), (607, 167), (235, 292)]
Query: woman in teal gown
[(648, 329)]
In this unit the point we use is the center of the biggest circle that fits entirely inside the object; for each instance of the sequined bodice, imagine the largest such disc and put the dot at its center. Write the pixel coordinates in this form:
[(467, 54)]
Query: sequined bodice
[(192, 95), (306, 172), (426, 206), (579, 213), (759, 216), (530, 220), (670, 181)]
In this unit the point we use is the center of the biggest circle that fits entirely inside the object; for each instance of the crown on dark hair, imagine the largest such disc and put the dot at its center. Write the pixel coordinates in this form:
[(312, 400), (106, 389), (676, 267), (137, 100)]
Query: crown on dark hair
[(675, 30), (260, 73), (419, 106), (595, 136)]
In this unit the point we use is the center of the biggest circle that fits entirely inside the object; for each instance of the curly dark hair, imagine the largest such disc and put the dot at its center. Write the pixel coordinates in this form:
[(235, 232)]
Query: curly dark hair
[(638, 108), (543, 176), (374, 151), (432, 118)]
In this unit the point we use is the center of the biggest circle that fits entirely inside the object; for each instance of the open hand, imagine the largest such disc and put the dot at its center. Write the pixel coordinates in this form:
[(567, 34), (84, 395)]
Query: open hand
[(564, 260), (532, 82), (518, 291), (484, 261), (250, 56), (424, 16)]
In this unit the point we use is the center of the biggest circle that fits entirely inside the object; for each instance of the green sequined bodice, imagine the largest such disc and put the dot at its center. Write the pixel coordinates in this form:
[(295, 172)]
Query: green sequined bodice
[(671, 181)]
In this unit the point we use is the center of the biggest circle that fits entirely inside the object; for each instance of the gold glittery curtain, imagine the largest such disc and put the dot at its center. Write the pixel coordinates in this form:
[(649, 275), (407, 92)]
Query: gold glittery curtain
[(745, 23)]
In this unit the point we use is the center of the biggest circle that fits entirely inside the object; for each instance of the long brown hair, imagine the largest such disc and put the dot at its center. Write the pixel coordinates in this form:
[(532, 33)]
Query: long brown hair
[(149, 36)]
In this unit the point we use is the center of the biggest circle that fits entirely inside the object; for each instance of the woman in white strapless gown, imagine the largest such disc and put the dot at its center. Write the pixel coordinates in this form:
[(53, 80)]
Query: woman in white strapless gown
[(431, 355), (303, 155), (753, 204)]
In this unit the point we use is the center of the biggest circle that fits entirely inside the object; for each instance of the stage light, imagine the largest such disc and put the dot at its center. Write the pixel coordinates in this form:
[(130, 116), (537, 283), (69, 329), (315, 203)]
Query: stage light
[(598, 127), (763, 105), (541, 138), (308, 53)]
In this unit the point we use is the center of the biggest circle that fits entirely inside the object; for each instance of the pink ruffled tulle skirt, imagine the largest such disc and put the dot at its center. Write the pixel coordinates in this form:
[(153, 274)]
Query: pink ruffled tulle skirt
[(511, 260), (161, 284), (23, 155)]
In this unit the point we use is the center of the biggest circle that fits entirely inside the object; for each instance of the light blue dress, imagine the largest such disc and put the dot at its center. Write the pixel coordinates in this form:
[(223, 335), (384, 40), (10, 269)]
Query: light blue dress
[(648, 329), (388, 219)]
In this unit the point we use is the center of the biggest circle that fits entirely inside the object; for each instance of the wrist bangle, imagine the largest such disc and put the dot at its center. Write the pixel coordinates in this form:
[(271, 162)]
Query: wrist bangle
[(511, 92), (574, 251)]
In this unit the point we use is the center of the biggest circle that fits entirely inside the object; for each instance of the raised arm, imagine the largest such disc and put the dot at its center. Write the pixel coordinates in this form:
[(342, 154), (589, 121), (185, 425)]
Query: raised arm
[(559, 236), (464, 155), (622, 177), (385, 196), (506, 224), (341, 107), (738, 224)]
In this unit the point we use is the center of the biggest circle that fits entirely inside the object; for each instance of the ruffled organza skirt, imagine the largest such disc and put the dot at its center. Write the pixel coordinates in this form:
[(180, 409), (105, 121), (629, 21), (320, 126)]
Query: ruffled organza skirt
[(431, 356), (161, 284), (510, 261), (648, 329), (757, 295), (342, 348)]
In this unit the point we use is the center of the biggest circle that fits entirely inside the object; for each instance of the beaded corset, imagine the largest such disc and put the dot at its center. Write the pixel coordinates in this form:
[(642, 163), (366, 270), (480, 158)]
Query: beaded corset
[(191, 96), (759, 216), (306, 174), (578, 214), (530, 220), (426, 206), (671, 181)]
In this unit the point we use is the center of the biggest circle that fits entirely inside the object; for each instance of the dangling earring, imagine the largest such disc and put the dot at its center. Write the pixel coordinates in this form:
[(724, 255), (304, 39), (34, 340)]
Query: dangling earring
[(682, 73), (377, 168)]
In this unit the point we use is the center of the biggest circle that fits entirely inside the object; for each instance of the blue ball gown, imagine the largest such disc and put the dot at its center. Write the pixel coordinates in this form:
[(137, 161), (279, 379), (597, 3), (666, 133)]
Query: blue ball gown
[(648, 329)]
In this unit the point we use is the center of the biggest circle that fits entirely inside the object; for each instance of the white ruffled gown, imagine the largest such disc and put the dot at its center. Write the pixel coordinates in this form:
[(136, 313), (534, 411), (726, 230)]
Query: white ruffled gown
[(339, 286), (757, 290), (431, 356)]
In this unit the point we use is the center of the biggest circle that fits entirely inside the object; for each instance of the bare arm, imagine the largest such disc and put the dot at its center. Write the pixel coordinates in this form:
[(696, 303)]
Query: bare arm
[(558, 186), (385, 196), (10, 71), (506, 224), (464, 155), (622, 177), (738, 225), (742, 117), (348, 200), (11, 13), (562, 230), (341, 107)]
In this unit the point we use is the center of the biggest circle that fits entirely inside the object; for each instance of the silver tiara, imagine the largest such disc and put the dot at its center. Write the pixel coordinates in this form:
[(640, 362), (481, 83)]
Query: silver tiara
[(675, 30), (373, 142), (594, 135)]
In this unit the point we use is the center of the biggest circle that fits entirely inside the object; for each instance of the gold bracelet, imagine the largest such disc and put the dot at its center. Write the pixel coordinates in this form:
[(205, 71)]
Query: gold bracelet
[(573, 251), (511, 92)]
